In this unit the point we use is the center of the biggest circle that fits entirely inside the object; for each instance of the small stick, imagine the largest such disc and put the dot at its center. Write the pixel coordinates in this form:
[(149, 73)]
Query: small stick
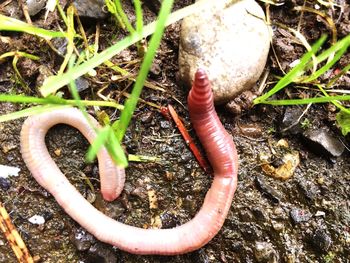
[(188, 139), (13, 237)]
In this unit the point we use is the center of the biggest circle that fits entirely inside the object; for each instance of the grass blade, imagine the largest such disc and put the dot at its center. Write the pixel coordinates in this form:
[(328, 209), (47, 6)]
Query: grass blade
[(12, 24), (29, 112), (116, 150), (306, 101), (57, 101), (100, 140)]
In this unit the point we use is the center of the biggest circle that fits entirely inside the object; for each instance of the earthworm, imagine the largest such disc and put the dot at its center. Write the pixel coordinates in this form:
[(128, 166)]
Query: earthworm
[(188, 237)]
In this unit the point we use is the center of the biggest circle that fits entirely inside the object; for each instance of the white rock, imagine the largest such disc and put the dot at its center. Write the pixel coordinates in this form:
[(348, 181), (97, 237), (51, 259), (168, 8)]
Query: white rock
[(230, 41), (6, 171), (37, 220)]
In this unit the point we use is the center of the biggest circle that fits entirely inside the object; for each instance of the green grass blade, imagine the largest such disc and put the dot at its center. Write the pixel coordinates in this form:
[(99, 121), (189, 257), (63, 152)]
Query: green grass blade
[(12, 24), (100, 140), (123, 16), (326, 67), (306, 101), (29, 112), (131, 102), (116, 150), (57, 101), (337, 46), (139, 16), (295, 72)]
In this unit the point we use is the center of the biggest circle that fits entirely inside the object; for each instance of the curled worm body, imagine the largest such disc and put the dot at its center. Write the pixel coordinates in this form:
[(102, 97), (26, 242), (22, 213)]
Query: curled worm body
[(182, 239)]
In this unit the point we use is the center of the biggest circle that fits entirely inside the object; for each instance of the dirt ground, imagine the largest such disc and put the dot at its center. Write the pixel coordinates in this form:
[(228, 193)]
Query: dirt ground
[(303, 219)]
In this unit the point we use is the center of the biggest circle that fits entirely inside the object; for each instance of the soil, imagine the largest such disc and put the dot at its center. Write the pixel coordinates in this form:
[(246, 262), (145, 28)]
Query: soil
[(303, 219)]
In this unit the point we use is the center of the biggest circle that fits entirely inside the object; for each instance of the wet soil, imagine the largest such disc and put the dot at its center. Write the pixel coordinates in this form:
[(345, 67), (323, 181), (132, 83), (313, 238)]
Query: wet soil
[(303, 219)]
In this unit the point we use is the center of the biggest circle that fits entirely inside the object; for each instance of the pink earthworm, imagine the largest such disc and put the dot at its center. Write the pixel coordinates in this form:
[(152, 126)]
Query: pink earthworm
[(188, 237)]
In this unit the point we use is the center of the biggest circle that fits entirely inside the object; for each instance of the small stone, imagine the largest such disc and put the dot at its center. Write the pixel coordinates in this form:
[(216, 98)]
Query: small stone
[(252, 130), (35, 6), (300, 216), (321, 240), (37, 220), (230, 41), (164, 124), (291, 121), (6, 171), (155, 69), (83, 240), (320, 213), (264, 252), (322, 142), (101, 253), (90, 8), (57, 152), (169, 220), (147, 117), (267, 190), (82, 84), (277, 226), (5, 184)]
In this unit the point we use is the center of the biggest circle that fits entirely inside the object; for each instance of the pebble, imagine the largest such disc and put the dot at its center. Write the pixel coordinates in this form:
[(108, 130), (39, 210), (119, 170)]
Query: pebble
[(90, 8), (6, 171), (35, 6), (83, 240), (5, 184), (82, 84), (101, 253), (37, 220), (169, 220), (300, 216), (291, 121), (264, 252), (230, 41), (321, 240), (267, 190), (324, 143)]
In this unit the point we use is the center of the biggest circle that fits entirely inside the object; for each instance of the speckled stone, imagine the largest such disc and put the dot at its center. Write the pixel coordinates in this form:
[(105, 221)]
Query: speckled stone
[(230, 41), (91, 8), (35, 6)]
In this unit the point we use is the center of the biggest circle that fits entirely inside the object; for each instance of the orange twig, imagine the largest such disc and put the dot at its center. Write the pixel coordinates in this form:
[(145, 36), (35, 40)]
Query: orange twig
[(188, 139), (13, 237)]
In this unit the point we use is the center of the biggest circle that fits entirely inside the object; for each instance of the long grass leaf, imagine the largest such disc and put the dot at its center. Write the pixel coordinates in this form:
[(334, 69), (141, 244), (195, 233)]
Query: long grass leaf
[(306, 101), (29, 112), (57, 101), (96, 145), (334, 48), (116, 150), (326, 67), (12, 24), (139, 17)]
